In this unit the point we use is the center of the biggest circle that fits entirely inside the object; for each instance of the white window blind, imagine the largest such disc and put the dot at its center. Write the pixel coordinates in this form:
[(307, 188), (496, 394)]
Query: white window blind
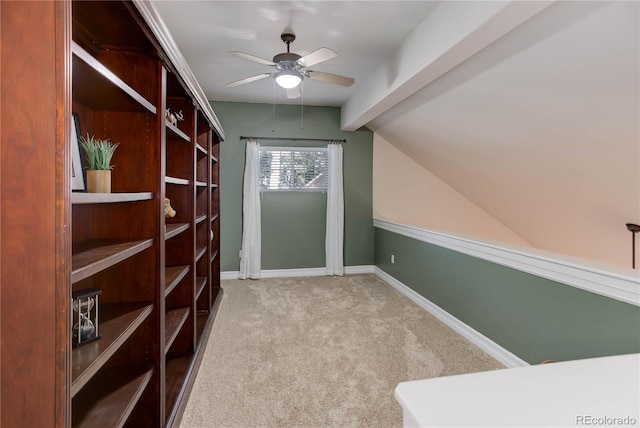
[(293, 168)]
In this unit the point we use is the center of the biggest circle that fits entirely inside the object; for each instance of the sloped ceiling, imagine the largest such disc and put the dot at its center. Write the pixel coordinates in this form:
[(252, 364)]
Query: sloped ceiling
[(540, 129)]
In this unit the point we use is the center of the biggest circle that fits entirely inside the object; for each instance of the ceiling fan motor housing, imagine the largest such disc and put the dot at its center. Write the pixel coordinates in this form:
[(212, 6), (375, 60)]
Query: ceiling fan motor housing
[(285, 59)]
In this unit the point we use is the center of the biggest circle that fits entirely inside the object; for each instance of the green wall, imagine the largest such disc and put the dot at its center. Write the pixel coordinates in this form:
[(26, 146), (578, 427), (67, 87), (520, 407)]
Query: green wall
[(293, 223), (534, 318)]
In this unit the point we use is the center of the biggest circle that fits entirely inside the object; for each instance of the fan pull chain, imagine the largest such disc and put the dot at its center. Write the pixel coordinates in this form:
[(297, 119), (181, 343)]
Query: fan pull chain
[(273, 112), (302, 105)]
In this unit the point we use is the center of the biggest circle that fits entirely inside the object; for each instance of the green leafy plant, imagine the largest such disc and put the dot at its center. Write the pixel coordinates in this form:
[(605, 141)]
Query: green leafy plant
[(99, 152)]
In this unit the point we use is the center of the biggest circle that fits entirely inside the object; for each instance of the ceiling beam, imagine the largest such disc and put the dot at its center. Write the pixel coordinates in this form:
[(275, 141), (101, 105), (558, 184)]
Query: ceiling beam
[(453, 32)]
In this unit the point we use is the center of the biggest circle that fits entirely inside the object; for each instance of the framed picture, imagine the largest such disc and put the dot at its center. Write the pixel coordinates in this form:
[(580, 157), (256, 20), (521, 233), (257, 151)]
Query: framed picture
[(77, 172)]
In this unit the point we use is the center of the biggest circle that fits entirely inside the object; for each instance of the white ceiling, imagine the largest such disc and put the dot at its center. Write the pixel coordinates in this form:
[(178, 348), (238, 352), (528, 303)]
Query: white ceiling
[(531, 110), (362, 33)]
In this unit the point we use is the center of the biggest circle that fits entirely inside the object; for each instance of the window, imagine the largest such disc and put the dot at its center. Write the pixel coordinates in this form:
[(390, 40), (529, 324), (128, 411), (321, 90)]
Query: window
[(293, 168)]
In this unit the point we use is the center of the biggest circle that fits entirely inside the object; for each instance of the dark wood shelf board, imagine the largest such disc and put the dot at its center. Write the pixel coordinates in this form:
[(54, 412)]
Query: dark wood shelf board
[(177, 372), (200, 251), (201, 183), (173, 321), (215, 254), (201, 218), (94, 256), (201, 150), (112, 403), (176, 180), (108, 198), (118, 321), (214, 159), (214, 186), (97, 81), (176, 131), (180, 371), (214, 218), (201, 282), (172, 276), (174, 229), (202, 317)]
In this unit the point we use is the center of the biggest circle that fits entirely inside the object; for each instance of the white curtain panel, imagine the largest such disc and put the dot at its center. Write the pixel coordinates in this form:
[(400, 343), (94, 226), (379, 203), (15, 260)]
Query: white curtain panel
[(250, 261), (334, 242)]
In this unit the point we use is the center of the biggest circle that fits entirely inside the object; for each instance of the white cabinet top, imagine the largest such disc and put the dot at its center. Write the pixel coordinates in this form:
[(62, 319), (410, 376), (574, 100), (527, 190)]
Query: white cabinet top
[(573, 393)]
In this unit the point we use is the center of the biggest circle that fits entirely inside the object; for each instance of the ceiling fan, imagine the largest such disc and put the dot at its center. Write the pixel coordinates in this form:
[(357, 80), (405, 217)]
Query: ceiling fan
[(292, 68)]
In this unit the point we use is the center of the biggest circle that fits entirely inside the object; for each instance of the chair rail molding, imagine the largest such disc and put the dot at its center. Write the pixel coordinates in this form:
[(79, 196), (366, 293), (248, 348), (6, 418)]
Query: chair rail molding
[(609, 281)]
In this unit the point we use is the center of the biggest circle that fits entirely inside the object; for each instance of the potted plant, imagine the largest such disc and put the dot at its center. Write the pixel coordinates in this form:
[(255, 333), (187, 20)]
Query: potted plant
[(99, 153)]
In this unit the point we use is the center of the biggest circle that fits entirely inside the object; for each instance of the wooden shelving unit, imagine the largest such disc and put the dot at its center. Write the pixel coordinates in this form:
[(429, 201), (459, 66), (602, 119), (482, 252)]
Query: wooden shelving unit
[(114, 66)]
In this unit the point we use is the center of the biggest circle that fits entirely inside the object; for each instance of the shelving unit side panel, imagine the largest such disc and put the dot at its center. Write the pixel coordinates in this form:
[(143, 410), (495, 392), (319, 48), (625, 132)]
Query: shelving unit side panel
[(33, 203)]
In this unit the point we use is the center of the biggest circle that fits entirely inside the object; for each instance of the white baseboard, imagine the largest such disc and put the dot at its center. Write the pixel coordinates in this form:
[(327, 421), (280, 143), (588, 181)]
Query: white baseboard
[(289, 273), (353, 270), (489, 346), (230, 274)]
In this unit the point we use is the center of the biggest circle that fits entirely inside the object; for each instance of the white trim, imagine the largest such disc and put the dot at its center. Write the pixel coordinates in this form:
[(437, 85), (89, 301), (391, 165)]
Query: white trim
[(160, 30), (289, 273), (579, 273), (353, 270), (230, 274), (507, 358)]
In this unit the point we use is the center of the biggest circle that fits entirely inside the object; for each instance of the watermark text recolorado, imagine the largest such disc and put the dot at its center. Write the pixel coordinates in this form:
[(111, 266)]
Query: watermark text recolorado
[(605, 421)]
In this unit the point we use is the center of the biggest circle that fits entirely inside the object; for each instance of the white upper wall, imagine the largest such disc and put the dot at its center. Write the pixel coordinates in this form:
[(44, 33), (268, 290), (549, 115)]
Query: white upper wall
[(406, 193)]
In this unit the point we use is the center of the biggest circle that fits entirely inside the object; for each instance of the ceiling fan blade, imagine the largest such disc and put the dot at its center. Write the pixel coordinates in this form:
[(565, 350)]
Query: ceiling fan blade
[(248, 80), (293, 92), (252, 58), (330, 78), (317, 56)]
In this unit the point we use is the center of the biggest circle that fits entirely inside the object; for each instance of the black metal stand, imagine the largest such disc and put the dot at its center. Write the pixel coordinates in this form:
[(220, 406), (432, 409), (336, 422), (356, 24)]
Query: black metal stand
[(633, 228)]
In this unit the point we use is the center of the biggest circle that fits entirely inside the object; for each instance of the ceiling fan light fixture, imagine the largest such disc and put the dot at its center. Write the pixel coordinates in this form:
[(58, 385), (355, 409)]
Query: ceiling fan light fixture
[(288, 79)]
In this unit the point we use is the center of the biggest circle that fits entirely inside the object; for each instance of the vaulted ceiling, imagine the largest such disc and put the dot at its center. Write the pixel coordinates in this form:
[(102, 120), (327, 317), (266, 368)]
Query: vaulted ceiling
[(528, 109)]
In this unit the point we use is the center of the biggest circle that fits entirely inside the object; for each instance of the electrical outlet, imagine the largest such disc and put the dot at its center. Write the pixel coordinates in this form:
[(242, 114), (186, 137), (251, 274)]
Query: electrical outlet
[(393, 258)]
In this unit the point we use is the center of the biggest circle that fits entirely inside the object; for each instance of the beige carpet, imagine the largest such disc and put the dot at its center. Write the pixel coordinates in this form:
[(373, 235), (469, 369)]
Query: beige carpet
[(319, 352)]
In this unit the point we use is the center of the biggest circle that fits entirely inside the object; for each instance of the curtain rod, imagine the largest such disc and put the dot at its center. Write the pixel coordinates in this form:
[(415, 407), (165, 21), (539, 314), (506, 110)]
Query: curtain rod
[(294, 139)]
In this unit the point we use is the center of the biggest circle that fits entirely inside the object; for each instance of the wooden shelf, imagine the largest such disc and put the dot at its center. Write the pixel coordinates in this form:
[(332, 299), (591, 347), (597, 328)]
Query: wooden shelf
[(200, 284), (99, 88), (200, 251), (176, 180), (214, 186), (118, 321), (177, 372), (177, 132), (215, 254), (202, 316), (201, 150), (95, 256), (214, 218), (108, 198), (172, 276), (110, 404), (174, 320), (175, 229), (107, 68)]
